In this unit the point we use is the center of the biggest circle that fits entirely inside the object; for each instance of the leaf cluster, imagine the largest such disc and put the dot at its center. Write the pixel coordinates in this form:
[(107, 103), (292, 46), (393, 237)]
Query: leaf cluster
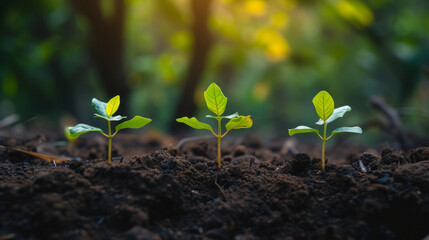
[(216, 103), (324, 105), (106, 111)]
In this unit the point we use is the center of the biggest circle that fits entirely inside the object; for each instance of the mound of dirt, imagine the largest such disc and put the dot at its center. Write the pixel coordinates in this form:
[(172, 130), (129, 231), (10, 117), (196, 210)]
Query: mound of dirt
[(180, 194)]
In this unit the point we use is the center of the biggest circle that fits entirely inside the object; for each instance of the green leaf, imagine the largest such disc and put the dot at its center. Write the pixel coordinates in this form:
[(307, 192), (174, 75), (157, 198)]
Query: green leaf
[(232, 116), (347, 130), (99, 106), (239, 122), (68, 135), (324, 105), (302, 129), (222, 117), (81, 128), (113, 118), (194, 123), (136, 122), (216, 101), (117, 118), (112, 106), (338, 112)]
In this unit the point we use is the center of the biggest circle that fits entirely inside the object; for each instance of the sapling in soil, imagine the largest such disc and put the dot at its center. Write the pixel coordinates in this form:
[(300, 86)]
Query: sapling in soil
[(216, 102), (106, 111), (324, 105), (70, 139)]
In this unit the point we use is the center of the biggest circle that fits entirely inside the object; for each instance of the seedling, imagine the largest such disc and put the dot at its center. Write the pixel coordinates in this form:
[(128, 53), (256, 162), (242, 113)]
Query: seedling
[(70, 139), (216, 102), (106, 111), (324, 105)]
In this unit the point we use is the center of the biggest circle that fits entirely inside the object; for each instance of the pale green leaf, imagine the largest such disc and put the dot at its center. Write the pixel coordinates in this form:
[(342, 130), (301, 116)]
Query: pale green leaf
[(136, 122), (81, 128), (302, 129), (232, 116), (239, 122), (194, 123), (338, 112), (113, 118), (347, 130), (112, 106), (216, 101), (222, 117), (117, 118), (99, 106), (324, 105)]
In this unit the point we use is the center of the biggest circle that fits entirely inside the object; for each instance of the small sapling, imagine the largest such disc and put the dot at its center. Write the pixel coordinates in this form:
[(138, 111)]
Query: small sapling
[(216, 102), (70, 139), (106, 111), (324, 105)]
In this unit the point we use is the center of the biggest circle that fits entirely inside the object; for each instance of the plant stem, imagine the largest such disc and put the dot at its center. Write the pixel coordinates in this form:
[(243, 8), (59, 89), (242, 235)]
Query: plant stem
[(70, 146), (109, 151), (323, 146), (219, 142)]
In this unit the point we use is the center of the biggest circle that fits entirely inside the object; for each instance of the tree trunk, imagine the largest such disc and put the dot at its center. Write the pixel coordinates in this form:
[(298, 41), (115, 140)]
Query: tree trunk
[(106, 44), (202, 44)]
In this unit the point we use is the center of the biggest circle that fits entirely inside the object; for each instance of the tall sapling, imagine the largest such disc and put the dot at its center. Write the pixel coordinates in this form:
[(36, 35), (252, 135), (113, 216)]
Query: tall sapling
[(324, 105), (216, 102), (106, 111)]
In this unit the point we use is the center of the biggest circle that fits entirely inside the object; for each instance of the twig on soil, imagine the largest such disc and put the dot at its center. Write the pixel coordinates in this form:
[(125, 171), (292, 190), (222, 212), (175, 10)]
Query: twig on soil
[(394, 119), (7, 236), (120, 158), (191, 139), (45, 157), (289, 147), (221, 189), (9, 120)]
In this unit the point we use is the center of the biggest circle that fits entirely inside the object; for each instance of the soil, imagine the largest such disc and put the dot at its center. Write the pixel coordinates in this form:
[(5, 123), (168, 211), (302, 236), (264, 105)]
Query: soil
[(161, 191)]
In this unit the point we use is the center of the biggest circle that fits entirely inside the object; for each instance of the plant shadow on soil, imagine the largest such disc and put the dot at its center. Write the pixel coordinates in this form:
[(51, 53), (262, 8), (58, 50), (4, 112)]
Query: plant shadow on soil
[(178, 193)]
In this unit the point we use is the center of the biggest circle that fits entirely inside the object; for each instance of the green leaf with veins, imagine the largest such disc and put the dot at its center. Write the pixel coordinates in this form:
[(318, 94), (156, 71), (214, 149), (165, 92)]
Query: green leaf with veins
[(136, 122), (239, 122), (81, 128), (347, 130), (222, 117), (324, 105), (302, 129), (100, 107), (216, 101), (194, 123), (338, 112)]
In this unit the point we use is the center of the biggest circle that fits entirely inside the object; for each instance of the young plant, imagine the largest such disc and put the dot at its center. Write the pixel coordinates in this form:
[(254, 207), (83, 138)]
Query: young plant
[(106, 111), (324, 105), (70, 139), (216, 102)]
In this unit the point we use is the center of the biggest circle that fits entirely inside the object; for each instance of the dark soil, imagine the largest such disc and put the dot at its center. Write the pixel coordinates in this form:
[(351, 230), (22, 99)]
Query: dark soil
[(177, 193)]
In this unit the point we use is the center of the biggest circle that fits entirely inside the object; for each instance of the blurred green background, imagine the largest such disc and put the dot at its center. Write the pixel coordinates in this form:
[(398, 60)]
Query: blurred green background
[(269, 57)]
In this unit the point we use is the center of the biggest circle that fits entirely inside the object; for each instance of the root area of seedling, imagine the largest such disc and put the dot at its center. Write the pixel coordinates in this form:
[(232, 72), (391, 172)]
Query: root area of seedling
[(160, 191)]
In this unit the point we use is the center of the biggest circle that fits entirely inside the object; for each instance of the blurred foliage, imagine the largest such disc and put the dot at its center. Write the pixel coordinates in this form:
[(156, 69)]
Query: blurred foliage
[(270, 57)]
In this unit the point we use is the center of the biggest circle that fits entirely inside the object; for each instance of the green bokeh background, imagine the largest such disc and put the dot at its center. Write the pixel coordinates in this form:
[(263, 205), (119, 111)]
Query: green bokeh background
[(269, 57)]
